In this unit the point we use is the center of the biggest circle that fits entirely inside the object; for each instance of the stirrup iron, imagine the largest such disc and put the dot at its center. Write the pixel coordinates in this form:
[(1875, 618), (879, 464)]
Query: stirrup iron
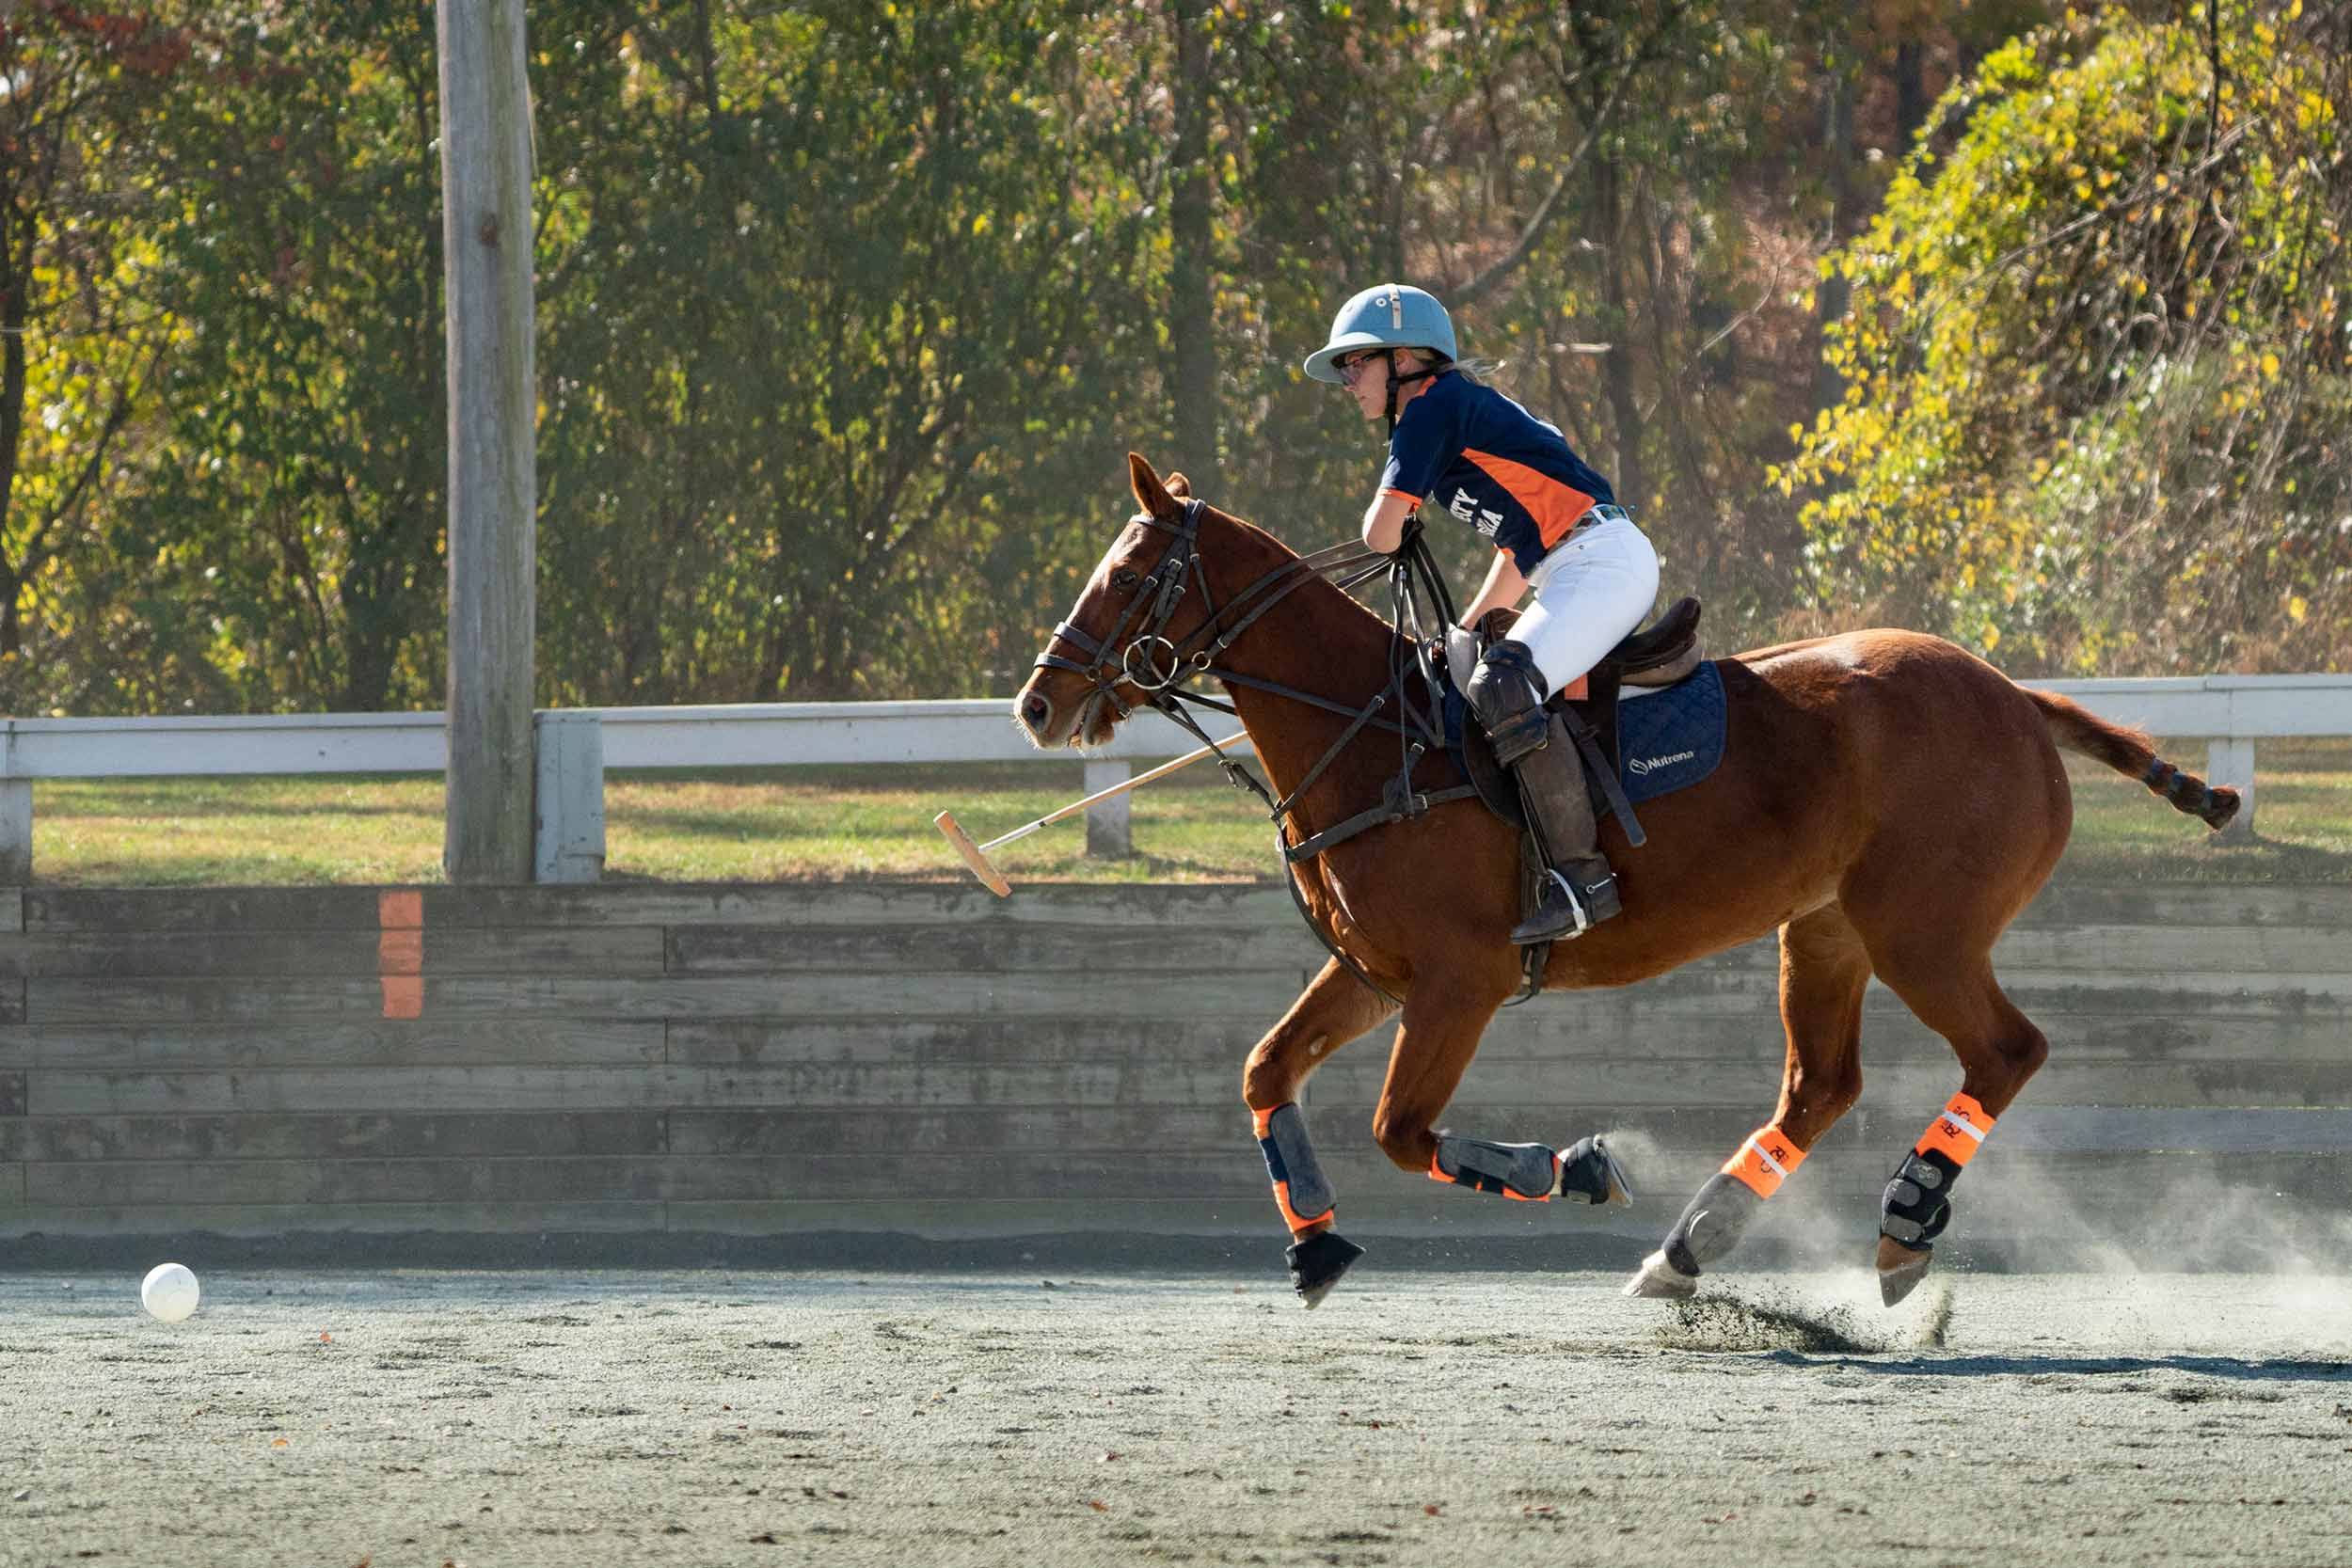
[(1580, 909), (1576, 905)]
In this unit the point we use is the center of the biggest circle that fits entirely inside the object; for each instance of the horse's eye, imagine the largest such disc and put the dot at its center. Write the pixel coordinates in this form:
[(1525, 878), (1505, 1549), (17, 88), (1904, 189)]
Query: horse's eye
[(1123, 577)]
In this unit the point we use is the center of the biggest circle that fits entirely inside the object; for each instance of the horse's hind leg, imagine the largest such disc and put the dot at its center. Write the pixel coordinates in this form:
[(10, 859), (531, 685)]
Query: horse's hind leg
[(1823, 972), (1999, 1049), (1335, 1008)]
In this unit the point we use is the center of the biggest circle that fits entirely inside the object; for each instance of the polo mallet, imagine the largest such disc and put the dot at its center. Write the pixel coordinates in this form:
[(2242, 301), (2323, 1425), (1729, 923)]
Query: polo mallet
[(976, 855)]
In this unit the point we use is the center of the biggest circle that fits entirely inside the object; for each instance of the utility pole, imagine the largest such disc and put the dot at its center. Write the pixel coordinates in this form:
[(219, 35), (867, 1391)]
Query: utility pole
[(492, 482), (1192, 260)]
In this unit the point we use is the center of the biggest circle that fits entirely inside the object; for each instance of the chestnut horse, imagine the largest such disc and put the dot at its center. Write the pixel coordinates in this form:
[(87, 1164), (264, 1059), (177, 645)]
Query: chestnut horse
[(1887, 802)]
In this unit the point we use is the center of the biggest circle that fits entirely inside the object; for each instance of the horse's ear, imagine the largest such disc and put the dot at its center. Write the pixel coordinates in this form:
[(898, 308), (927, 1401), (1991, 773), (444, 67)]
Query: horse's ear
[(1150, 494), (1179, 486)]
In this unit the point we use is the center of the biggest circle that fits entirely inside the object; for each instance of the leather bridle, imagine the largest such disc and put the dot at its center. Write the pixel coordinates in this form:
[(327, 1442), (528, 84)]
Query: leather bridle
[(1154, 601), (1139, 637), (1140, 653)]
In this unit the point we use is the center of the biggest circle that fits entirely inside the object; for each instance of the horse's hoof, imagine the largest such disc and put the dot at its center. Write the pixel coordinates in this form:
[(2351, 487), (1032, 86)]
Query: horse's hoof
[(1316, 1264), (1662, 1281), (1900, 1268), (1589, 1171)]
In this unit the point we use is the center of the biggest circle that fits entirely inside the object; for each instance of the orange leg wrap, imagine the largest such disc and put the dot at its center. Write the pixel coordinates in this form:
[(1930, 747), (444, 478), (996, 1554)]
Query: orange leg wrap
[(1957, 1133), (1765, 1161)]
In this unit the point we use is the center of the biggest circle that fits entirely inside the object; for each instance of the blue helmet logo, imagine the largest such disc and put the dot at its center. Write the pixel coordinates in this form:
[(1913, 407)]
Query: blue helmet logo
[(1388, 315)]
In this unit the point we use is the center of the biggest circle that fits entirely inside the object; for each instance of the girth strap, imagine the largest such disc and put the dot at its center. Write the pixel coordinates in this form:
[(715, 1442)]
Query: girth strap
[(1401, 810)]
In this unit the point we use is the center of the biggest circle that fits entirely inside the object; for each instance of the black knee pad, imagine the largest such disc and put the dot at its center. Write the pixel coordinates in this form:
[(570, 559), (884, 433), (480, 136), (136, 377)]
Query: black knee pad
[(1506, 691)]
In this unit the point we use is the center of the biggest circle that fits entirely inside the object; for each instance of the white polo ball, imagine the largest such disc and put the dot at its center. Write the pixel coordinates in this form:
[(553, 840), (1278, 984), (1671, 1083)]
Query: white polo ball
[(170, 1291)]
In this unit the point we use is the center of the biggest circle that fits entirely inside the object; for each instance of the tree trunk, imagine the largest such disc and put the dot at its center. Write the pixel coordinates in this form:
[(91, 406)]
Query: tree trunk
[(1911, 93), (16, 282), (1617, 365), (1683, 378), (1831, 295)]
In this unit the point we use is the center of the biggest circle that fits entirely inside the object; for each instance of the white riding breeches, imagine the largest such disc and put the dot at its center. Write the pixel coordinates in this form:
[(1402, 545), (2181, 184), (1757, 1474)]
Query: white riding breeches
[(1595, 586)]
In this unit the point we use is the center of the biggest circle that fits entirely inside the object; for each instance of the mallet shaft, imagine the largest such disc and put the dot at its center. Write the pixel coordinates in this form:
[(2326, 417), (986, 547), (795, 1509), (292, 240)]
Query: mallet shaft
[(1238, 743), (976, 855)]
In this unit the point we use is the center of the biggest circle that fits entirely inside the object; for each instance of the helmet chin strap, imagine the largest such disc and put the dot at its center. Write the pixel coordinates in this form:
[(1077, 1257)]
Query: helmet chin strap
[(1387, 361)]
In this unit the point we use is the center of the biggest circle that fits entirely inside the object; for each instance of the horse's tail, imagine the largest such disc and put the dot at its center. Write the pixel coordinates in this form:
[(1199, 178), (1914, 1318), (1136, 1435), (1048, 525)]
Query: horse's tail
[(2129, 751)]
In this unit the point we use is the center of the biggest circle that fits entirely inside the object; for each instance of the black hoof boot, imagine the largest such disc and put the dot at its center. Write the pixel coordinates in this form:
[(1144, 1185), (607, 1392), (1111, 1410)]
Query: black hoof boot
[(1917, 1207), (1316, 1264), (1589, 1172)]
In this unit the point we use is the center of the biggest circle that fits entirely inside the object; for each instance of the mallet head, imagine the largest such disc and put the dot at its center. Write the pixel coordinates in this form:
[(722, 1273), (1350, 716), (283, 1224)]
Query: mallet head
[(989, 877)]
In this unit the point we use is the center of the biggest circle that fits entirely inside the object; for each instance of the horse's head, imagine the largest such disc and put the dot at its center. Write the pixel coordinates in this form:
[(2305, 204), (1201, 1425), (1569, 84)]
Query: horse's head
[(1118, 645)]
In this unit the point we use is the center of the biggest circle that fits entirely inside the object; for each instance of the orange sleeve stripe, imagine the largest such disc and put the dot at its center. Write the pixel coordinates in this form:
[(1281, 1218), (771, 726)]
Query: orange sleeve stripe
[(1393, 490), (1554, 506), (1958, 1132), (1765, 1161)]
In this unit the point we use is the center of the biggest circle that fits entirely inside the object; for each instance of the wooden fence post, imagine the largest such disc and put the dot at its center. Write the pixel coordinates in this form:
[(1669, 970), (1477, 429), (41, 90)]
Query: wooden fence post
[(2232, 763), (569, 844), (1109, 835), (16, 832)]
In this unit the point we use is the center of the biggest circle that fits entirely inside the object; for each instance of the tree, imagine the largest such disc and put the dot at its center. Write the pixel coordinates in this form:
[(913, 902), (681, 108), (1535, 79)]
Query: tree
[(2096, 410), (827, 339), (79, 346), (296, 509)]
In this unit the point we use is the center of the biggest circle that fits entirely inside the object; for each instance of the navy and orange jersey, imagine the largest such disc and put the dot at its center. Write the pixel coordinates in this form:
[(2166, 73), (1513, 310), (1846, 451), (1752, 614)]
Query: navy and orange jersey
[(1468, 450)]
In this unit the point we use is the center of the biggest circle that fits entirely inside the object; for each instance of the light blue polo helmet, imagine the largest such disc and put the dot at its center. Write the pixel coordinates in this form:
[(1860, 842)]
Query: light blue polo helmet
[(1387, 315)]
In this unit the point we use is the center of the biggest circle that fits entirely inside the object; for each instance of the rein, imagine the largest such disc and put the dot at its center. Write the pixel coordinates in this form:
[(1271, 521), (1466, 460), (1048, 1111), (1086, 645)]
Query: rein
[(1168, 666)]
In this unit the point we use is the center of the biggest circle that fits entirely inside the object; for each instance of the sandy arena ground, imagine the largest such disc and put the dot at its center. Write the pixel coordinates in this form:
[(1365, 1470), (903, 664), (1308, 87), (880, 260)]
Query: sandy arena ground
[(1422, 1418)]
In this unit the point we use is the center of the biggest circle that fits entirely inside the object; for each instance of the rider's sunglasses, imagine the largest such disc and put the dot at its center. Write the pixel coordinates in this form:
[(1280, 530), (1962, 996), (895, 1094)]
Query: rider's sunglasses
[(1353, 366)]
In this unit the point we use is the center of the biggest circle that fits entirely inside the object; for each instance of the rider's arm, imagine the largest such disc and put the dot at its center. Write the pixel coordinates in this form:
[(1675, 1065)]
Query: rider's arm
[(1425, 439), (1384, 520), (1501, 591)]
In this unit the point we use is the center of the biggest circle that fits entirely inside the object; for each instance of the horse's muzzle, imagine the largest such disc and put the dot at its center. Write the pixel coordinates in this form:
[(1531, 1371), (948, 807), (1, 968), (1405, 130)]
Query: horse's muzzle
[(1035, 713)]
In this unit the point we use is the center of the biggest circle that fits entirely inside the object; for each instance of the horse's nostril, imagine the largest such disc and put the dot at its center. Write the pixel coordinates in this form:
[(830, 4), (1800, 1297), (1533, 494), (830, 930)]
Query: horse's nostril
[(1033, 710)]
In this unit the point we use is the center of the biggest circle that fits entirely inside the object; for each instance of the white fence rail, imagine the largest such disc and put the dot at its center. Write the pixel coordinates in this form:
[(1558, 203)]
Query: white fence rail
[(577, 745)]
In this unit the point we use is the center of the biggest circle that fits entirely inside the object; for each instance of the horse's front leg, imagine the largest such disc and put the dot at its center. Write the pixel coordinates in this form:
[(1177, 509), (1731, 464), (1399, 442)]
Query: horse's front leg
[(1335, 1008), (1437, 1037)]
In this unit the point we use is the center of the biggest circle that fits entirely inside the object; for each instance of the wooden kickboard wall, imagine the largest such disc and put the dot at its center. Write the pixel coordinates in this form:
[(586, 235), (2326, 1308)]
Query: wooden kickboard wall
[(757, 1059)]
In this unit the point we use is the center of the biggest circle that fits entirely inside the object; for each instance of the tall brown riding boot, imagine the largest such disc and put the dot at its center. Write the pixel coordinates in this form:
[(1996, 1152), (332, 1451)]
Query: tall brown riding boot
[(1581, 890)]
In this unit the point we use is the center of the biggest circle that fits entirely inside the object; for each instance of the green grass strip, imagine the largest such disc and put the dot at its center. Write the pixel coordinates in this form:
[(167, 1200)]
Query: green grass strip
[(843, 824)]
